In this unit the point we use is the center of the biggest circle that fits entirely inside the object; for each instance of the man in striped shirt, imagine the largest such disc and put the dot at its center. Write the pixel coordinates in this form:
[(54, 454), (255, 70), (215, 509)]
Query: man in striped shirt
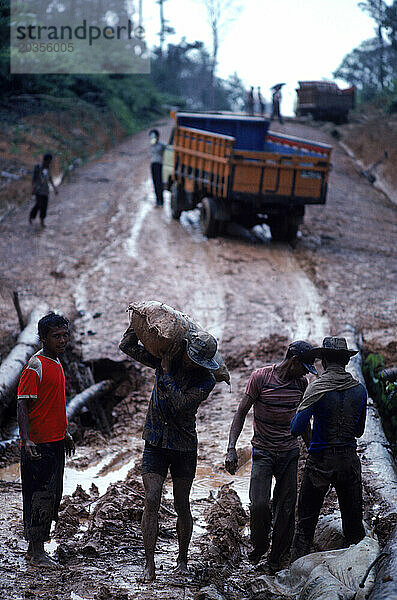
[(275, 392)]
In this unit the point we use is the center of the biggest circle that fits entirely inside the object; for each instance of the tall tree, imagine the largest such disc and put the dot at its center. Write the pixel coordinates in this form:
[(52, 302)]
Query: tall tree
[(220, 14), (165, 29), (377, 10), (372, 66)]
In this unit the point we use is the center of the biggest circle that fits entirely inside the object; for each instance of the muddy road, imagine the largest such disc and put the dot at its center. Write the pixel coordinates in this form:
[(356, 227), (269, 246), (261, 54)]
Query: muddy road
[(105, 245)]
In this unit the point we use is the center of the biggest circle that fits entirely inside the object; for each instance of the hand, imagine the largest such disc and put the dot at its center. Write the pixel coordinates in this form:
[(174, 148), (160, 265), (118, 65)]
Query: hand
[(31, 450), (70, 448), (231, 461)]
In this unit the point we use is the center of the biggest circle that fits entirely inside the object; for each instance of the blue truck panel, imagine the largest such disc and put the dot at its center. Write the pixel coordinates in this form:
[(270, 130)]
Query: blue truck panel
[(249, 132)]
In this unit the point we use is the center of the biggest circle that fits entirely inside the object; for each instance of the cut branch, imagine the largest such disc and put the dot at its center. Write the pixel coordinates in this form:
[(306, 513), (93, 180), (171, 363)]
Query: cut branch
[(10, 369)]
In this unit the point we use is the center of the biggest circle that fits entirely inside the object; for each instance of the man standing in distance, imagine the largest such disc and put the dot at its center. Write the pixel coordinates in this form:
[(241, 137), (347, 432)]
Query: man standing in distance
[(157, 149), (337, 402), (40, 188), (275, 392), (182, 383), (44, 436)]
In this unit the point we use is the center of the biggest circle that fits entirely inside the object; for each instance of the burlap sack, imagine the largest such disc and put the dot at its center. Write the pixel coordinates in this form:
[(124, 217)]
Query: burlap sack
[(160, 328)]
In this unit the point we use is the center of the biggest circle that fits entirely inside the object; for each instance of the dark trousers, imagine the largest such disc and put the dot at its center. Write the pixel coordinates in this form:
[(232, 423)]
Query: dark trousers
[(284, 466), (340, 468), (42, 485), (157, 182), (40, 206), (276, 112)]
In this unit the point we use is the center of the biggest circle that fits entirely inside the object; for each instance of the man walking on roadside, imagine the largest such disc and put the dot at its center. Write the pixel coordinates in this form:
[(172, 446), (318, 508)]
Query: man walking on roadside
[(276, 103), (44, 437), (157, 149), (40, 188), (275, 392), (337, 402), (182, 383)]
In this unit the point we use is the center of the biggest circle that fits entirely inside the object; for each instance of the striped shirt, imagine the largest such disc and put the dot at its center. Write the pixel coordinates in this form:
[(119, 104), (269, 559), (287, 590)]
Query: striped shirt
[(275, 404)]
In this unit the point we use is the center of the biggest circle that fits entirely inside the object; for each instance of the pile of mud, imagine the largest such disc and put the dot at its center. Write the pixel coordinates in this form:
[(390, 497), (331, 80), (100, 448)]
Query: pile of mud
[(90, 525), (226, 520)]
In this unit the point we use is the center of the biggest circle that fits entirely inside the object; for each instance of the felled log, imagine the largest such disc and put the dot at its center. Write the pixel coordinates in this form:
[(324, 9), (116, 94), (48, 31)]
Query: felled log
[(90, 398), (379, 472), (385, 584), (378, 468), (10, 369)]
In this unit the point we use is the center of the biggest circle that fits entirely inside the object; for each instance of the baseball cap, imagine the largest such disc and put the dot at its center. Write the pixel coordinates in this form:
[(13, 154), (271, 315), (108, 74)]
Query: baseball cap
[(301, 350)]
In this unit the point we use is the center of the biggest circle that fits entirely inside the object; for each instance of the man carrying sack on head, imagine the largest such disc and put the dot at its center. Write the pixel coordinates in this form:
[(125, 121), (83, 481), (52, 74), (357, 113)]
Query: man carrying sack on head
[(337, 402), (183, 381)]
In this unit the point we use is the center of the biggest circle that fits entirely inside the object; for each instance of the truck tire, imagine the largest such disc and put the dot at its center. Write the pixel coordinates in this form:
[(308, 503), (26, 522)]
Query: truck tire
[(279, 229), (292, 228), (209, 223), (284, 229), (176, 197)]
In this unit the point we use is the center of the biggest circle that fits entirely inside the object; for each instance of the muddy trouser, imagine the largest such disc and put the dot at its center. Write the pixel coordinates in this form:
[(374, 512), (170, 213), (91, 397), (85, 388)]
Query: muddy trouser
[(284, 466), (276, 112), (157, 182), (341, 468), (42, 484), (40, 206)]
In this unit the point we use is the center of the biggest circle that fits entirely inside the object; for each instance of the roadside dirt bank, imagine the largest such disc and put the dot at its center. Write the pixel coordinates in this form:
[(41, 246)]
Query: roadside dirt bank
[(104, 246)]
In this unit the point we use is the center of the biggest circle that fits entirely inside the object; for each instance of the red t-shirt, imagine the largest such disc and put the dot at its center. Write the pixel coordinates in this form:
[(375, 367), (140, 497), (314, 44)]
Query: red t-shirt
[(275, 404), (42, 382)]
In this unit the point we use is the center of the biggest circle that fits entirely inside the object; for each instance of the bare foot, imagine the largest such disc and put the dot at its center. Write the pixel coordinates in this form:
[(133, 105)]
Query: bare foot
[(148, 575), (181, 568), (43, 561)]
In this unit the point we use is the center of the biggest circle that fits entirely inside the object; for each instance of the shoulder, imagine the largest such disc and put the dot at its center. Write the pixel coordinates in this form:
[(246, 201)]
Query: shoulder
[(208, 381), (361, 391), (35, 364), (262, 373)]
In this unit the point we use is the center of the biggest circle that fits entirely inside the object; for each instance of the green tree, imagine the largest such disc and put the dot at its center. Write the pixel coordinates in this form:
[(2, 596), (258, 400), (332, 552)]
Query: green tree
[(372, 66)]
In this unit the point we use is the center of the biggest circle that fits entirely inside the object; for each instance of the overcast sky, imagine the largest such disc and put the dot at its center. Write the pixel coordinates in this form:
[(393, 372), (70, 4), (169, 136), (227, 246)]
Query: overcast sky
[(272, 41)]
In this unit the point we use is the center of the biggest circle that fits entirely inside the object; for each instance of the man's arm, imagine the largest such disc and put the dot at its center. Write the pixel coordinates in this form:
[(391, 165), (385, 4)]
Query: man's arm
[(235, 430), (130, 346), (360, 426), (23, 423), (300, 424), (52, 183)]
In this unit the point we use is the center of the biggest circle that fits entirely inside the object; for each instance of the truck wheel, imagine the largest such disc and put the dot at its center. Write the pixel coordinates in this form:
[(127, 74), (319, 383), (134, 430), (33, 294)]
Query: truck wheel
[(176, 193), (279, 229), (292, 229), (209, 224)]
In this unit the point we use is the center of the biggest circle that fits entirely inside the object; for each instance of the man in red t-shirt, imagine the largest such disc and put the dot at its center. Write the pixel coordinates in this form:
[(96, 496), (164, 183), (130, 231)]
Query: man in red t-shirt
[(44, 436), (275, 393)]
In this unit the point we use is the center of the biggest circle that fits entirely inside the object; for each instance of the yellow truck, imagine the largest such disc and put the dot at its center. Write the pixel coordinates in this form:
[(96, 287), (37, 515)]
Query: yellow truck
[(234, 169)]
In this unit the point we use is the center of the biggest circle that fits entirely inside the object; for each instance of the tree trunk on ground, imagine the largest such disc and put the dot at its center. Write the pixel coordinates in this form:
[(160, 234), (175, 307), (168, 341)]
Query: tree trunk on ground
[(379, 472), (10, 369), (91, 398)]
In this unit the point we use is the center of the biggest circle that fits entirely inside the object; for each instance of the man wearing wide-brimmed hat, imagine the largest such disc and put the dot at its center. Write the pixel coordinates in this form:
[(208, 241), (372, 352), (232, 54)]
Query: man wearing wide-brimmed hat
[(338, 404)]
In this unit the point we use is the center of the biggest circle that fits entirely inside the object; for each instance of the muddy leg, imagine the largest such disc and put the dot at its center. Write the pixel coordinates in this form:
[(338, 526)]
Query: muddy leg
[(153, 486), (184, 524)]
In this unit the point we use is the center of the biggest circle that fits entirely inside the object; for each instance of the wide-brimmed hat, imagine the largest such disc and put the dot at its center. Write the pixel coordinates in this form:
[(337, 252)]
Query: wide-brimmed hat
[(201, 348), (332, 347), (301, 350)]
